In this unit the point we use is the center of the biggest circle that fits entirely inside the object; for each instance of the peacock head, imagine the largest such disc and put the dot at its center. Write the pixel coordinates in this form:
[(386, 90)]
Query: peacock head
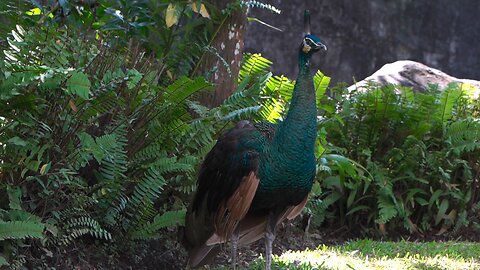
[(310, 43)]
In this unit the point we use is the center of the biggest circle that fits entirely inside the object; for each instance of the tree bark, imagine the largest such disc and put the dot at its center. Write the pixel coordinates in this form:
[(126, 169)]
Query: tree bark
[(228, 42)]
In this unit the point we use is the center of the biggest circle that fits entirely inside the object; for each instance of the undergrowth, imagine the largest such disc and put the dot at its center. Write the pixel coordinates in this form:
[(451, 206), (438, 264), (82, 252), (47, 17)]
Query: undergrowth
[(407, 160)]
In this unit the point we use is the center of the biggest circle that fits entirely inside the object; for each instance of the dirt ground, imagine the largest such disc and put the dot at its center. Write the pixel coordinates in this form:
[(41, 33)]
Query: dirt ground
[(290, 236), (167, 253)]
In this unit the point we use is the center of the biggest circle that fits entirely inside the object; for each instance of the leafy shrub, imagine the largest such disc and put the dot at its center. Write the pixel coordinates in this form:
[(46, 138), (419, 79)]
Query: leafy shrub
[(419, 154), (98, 139), (101, 142)]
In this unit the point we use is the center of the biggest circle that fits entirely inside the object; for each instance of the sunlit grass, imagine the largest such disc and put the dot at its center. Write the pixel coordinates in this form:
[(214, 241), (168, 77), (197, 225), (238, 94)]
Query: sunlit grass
[(367, 254)]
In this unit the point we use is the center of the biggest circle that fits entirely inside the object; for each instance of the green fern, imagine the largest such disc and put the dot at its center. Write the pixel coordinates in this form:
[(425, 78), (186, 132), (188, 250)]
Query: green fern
[(77, 227), (261, 5), (448, 100), (150, 230), (185, 87), (321, 83), (21, 229), (464, 136), (143, 196), (253, 65), (387, 209)]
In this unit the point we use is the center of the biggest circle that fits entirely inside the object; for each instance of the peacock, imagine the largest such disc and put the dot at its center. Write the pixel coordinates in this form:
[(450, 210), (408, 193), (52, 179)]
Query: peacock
[(257, 174)]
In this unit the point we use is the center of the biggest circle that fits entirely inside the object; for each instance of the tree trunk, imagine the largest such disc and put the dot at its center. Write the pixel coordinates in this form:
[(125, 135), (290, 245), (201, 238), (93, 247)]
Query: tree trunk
[(229, 44)]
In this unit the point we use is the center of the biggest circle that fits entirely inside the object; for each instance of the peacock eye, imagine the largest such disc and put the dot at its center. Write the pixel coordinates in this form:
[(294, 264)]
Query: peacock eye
[(309, 42)]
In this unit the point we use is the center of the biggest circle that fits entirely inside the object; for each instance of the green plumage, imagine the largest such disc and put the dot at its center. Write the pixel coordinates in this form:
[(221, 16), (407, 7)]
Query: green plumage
[(268, 168)]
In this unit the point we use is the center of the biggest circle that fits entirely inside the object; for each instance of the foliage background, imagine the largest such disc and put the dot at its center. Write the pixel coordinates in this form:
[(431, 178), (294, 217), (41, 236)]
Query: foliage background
[(101, 135)]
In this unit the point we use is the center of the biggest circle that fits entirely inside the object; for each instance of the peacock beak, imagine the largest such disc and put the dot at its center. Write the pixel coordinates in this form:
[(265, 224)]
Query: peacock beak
[(319, 46)]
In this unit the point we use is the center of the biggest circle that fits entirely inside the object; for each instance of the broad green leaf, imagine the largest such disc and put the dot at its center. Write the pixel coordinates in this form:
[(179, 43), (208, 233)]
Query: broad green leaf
[(442, 209), (14, 197), (351, 197), (434, 198), (358, 208), (90, 147), (17, 141), (79, 84), (3, 261), (133, 78)]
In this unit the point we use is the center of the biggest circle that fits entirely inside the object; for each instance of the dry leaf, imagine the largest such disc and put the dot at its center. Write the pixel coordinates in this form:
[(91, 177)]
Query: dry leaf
[(382, 228), (171, 17), (72, 105), (43, 169), (202, 10), (170, 74)]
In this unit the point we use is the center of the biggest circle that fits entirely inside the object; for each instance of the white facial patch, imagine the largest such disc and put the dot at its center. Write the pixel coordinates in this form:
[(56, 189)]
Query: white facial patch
[(306, 47)]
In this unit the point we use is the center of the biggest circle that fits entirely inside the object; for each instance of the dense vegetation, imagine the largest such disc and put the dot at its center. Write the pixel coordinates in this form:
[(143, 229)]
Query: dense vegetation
[(101, 133), (419, 156)]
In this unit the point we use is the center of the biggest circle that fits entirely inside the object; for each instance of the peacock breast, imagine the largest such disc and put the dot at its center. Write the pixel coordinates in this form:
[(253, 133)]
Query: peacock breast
[(284, 181)]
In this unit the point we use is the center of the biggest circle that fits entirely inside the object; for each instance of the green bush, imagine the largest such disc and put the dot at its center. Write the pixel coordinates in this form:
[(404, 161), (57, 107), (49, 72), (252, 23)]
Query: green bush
[(98, 139), (415, 153), (101, 136)]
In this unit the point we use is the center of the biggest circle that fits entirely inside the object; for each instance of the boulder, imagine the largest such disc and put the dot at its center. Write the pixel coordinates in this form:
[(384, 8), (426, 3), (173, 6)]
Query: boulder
[(413, 74)]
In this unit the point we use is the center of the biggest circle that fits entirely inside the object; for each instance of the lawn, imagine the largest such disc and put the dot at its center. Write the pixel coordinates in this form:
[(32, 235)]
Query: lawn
[(368, 254)]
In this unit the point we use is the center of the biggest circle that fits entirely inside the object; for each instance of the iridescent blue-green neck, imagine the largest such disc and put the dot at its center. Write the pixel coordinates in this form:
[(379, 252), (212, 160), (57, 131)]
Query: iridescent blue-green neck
[(297, 133)]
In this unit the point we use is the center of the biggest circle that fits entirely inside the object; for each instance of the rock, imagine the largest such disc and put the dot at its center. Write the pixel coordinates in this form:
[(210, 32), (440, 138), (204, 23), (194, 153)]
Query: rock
[(412, 74), (362, 35)]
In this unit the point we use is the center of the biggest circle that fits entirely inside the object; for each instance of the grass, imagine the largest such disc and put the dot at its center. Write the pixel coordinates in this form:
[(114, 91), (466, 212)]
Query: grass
[(368, 254)]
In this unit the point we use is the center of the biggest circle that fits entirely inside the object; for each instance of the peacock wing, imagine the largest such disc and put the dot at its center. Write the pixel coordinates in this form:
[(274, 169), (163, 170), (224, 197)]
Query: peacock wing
[(226, 185), (252, 228)]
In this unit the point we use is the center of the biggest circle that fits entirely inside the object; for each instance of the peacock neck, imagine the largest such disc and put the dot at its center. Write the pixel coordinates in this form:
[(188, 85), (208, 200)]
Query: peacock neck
[(296, 135)]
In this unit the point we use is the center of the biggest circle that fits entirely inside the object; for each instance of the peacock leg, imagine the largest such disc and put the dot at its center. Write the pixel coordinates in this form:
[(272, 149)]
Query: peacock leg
[(269, 237), (234, 240)]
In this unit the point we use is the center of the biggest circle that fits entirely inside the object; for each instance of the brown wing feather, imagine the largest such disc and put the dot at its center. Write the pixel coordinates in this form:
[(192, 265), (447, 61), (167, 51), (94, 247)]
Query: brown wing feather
[(226, 186), (252, 228), (294, 211), (225, 221), (235, 209)]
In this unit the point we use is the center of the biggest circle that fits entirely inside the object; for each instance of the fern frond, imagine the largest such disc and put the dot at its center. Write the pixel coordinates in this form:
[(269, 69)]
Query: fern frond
[(282, 85), (321, 83), (253, 65), (84, 225), (172, 165), (464, 136), (243, 113), (145, 192), (387, 209), (199, 134), (258, 4), (151, 152), (21, 229), (448, 100), (185, 87), (167, 219), (272, 110)]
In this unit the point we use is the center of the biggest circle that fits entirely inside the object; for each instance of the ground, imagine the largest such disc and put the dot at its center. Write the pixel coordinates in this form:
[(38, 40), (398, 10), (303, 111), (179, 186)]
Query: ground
[(168, 254), (291, 238)]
